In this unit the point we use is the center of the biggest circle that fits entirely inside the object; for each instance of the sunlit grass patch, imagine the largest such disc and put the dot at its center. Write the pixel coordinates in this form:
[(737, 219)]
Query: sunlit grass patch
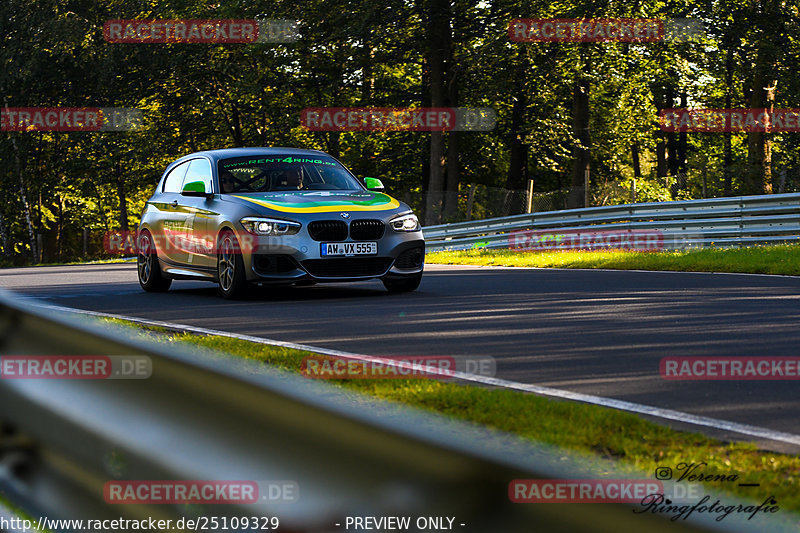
[(779, 259), (588, 430)]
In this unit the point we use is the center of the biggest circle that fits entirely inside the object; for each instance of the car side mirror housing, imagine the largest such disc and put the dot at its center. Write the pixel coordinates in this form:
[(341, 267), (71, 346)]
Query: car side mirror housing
[(374, 184), (196, 189)]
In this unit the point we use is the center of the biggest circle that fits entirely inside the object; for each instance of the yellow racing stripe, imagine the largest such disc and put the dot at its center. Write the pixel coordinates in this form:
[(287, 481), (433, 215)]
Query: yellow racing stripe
[(323, 208)]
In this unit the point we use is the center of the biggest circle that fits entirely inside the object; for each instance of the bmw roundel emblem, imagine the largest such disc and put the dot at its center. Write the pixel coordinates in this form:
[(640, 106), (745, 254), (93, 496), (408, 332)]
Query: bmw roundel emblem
[(345, 215)]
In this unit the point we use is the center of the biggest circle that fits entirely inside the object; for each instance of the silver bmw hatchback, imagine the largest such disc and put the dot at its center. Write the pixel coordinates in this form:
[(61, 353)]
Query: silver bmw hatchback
[(241, 216)]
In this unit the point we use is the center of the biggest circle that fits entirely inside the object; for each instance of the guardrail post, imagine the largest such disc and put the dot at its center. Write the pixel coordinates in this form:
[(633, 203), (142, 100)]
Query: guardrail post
[(471, 200), (586, 186), (705, 173), (529, 208)]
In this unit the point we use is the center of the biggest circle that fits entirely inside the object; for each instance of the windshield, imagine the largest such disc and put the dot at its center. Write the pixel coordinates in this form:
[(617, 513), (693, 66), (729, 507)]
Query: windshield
[(284, 173)]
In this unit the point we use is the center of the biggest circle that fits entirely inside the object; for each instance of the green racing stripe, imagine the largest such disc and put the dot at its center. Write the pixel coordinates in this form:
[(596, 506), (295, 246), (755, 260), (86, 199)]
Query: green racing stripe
[(326, 204)]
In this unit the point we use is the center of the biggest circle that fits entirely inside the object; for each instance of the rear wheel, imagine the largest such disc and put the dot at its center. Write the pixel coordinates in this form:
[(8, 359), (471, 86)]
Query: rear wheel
[(230, 267), (408, 284), (150, 276)]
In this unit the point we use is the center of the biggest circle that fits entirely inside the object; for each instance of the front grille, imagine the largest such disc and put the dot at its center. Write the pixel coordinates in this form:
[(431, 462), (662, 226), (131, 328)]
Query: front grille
[(273, 264), (347, 267), (367, 230), (410, 258), (328, 230)]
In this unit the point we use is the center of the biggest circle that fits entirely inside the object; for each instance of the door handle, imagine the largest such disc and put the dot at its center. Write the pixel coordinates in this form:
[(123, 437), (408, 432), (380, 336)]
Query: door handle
[(174, 203)]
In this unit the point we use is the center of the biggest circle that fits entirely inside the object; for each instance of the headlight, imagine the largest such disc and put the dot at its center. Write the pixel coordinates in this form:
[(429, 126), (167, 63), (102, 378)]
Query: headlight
[(408, 222), (270, 226)]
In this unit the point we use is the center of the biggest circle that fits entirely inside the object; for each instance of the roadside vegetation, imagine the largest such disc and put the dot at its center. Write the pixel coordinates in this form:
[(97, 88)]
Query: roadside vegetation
[(560, 108), (629, 440), (778, 259)]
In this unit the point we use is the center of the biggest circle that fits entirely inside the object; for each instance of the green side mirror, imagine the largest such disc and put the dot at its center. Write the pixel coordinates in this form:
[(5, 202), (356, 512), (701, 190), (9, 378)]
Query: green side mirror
[(194, 188), (373, 184)]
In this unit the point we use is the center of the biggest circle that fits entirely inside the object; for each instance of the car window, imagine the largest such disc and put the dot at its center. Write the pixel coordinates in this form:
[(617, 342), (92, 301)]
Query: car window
[(283, 173), (175, 178), (199, 170)]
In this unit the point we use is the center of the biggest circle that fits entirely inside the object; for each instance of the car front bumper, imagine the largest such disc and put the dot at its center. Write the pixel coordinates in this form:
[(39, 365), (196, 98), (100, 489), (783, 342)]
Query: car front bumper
[(292, 258)]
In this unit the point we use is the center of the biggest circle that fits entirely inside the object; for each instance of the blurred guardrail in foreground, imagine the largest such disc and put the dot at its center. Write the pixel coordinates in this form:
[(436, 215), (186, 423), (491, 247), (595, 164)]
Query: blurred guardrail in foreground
[(202, 417), (722, 222)]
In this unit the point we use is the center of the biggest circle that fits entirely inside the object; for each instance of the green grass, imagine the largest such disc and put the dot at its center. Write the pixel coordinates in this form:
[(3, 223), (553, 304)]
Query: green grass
[(779, 259), (588, 430)]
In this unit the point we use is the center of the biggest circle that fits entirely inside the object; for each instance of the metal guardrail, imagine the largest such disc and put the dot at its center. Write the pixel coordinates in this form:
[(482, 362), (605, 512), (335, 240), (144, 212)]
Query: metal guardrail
[(736, 221), (199, 417)]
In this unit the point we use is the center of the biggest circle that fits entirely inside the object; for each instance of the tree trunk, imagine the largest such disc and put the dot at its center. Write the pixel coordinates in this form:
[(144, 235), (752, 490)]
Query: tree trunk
[(661, 157), (424, 146), (238, 139), (635, 157), (26, 208), (60, 227), (679, 166), (452, 177), (759, 145), (123, 204), (332, 143), (28, 219), (673, 165), (518, 168), (683, 159), (727, 137), (433, 204), (453, 146), (581, 164), (768, 57), (7, 253), (438, 20), (661, 138)]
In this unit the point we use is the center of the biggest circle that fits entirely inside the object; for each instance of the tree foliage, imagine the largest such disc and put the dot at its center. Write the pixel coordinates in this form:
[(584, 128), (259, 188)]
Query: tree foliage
[(562, 108)]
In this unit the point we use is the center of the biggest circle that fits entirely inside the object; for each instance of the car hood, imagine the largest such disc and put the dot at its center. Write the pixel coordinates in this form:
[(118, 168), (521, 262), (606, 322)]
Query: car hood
[(318, 201)]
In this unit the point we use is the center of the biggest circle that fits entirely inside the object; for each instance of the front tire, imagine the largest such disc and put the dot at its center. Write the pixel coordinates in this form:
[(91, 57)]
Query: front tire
[(408, 284), (150, 276), (230, 267)]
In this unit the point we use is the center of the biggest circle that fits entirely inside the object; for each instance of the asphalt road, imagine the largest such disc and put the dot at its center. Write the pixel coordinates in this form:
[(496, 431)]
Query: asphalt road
[(588, 331)]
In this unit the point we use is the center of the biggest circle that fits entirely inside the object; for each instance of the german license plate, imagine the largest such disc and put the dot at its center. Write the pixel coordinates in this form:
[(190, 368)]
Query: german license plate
[(348, 248)]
